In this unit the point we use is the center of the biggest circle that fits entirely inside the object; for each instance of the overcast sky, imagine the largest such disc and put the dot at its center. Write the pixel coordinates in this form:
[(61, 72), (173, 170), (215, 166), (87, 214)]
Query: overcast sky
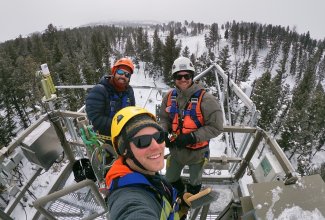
[(27, 16)]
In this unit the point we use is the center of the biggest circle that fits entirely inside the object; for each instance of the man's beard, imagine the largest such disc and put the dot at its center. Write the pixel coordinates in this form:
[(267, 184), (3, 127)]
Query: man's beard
[(119, 85)]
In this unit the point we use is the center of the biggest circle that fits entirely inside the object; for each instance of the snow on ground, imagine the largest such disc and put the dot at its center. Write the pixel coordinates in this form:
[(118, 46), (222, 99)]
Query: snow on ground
[(298, 213), (38, 188), (149, 98), (196, 44)]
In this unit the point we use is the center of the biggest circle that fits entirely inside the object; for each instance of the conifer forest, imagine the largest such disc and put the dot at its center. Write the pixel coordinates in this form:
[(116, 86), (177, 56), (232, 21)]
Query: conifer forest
[(293, 114)]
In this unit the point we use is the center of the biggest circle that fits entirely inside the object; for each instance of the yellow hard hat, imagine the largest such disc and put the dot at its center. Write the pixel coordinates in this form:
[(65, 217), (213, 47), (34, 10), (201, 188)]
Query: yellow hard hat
[(122, 117)]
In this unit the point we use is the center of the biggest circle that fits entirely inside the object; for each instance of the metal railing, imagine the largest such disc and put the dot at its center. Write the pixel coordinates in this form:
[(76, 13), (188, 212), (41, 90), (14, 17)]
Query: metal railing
[(238, 162), (79, 201)]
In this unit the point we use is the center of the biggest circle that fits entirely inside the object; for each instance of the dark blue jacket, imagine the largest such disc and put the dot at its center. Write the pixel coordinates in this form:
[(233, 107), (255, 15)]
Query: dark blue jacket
[(103, 101)]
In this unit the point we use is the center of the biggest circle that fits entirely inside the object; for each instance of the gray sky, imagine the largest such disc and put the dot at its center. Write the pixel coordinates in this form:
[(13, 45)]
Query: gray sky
[(27, 16)]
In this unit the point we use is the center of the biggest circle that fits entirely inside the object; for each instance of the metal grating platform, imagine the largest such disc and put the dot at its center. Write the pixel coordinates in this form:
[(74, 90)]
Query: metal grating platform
[(80, 201)]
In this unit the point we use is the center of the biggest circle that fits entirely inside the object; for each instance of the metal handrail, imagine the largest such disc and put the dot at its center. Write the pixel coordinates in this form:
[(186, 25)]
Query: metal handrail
[(241, 160), (40, 203), (258, 136), (243, 97)]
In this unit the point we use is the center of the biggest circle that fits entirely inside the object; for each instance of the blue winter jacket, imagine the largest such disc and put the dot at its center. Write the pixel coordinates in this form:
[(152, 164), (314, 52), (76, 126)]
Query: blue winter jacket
[(103, 101)]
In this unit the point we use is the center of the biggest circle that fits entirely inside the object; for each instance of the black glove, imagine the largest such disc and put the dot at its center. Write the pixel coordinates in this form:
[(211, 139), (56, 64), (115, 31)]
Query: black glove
[(168, 143), (183, 140), (184, 205)]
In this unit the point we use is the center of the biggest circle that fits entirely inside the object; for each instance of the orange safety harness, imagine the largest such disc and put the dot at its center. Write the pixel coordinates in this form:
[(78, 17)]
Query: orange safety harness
[(187, 120)]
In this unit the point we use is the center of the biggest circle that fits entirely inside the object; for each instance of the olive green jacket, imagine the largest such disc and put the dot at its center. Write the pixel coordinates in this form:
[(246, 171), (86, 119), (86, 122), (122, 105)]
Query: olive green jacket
[(210, 107)]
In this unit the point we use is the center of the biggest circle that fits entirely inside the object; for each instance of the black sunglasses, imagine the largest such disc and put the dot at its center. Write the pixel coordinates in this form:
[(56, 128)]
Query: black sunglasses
[(186, 76), (123, 72), (144, 141)]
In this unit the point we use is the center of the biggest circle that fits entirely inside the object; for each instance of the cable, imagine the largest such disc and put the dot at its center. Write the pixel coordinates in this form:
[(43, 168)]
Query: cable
[(5, 200), (20, 168), (23, 209), (10, 179), (32, 194), (19, 176)]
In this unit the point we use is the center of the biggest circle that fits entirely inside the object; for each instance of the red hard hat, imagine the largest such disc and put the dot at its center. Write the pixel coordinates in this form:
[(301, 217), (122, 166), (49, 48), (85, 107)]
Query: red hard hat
[(124, 62)]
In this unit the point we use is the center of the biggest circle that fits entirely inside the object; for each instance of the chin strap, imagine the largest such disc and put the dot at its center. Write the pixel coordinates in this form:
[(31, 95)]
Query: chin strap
[(134, 166)]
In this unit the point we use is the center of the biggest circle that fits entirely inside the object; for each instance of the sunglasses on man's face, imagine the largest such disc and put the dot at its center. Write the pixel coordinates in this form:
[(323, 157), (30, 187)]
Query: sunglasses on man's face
[(144, 141), (123, 72), (186, 76)]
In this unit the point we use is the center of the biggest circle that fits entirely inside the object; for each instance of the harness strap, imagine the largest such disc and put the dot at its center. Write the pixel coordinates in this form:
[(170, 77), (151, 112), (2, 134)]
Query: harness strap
[(175, 206), (114, 100), (112, 104), (173, 108), (192, 111), (130, 179), (103, 137), (135, 178)]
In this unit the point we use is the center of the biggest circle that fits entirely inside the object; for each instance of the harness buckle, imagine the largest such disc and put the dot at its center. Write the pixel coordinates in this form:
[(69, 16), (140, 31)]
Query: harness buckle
[(172, 135), (194, 100), (176, 204)]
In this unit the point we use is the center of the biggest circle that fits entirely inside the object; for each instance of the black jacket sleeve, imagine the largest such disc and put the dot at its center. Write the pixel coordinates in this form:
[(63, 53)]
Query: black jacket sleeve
[(97, 103), (133, 203)]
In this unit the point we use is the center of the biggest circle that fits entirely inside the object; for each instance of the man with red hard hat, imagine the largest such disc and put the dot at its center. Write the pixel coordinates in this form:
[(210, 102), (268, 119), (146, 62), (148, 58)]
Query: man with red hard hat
[(111, 94)]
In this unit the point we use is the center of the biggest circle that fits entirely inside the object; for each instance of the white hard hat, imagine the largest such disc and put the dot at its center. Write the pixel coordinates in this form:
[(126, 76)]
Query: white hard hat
[(182, 63)]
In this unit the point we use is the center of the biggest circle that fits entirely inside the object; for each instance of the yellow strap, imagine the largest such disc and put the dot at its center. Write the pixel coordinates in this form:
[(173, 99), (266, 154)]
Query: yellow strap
[(103, 137)]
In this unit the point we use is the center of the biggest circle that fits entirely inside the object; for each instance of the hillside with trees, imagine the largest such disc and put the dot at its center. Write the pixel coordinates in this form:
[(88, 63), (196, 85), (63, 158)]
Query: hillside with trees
[(293, 114)]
